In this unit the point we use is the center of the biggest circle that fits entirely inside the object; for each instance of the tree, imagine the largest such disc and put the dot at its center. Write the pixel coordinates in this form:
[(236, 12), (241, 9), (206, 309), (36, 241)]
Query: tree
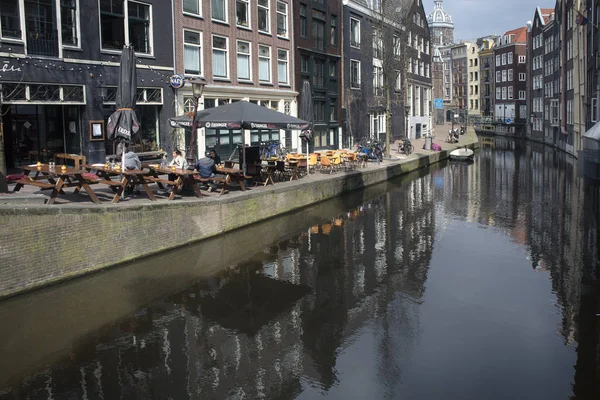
[(391, 54)]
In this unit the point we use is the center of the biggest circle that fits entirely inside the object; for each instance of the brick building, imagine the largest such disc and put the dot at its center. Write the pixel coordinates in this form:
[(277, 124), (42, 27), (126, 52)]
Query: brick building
[(244, 51), (510, 55)]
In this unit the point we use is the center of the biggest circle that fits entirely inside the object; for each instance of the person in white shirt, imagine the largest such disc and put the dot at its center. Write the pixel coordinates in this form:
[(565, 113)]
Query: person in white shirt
[(178, 160)]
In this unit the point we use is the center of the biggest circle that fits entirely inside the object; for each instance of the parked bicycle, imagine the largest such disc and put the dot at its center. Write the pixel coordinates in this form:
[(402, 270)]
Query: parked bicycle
[(405, 147), (269, 150)]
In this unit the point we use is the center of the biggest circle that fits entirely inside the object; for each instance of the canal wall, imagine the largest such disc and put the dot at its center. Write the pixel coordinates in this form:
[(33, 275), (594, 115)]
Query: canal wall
[(41, 245)]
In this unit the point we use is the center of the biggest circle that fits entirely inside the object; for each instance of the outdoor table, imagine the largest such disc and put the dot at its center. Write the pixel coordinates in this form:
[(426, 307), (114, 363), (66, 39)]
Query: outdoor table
[(232, 175), (129, 177), (269, 170), (293, 164), (78, 159), (156, 170), (58, 178)]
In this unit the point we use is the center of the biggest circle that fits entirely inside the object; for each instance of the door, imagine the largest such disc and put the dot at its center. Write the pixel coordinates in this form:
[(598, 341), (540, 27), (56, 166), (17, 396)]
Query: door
[(418, 131)]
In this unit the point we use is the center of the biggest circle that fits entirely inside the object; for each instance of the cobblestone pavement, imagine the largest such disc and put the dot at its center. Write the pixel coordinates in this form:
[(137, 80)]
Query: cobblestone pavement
[(105, 194)]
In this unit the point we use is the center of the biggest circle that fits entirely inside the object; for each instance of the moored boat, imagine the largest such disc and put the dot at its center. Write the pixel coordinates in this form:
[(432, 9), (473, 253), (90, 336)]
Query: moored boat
[(462, 154)]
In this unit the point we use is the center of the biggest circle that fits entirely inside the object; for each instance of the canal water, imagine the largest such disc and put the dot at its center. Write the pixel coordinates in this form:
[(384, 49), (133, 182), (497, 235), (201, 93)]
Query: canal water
[(461, 281)]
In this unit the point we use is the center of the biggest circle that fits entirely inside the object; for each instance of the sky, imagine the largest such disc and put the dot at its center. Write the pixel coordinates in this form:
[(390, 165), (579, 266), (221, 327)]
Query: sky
[(477, 18)]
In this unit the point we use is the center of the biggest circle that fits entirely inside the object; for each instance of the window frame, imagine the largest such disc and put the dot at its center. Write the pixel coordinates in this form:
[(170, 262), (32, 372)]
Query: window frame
[(268, 15), (248, 14), (198, 14), (355, 41), (126, 38), (226, 51), (249, 55), (225, 12), (285, 35), (357, 84), (269, 59), (287, 67), (201, 52), (77, 26)]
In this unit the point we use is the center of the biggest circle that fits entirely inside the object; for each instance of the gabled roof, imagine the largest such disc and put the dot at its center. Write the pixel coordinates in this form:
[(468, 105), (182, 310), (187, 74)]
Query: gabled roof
[(545, 14), (520, 35)]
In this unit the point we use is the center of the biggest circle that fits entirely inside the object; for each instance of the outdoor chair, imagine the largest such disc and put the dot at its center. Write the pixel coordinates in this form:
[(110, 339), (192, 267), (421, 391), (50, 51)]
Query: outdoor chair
[(326, 165), (337, 161), (313, 162)]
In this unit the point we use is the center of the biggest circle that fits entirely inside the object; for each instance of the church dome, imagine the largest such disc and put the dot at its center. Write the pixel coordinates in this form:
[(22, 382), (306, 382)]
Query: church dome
[(439, 17)]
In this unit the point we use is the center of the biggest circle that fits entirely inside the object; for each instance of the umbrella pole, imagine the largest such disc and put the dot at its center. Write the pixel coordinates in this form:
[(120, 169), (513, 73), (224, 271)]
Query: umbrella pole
[(244, 163), (307, 158)]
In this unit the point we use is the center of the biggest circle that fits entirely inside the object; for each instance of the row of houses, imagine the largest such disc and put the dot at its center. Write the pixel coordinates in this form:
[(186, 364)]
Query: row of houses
[(59, 69), (538, 81)]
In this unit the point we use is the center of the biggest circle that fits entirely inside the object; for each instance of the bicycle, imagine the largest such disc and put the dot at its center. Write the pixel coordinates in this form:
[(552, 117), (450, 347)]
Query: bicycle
[(405, 147)]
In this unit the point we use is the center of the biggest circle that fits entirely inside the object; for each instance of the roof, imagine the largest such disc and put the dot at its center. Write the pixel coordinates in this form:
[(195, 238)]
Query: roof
[(520, 34), (545, 14)]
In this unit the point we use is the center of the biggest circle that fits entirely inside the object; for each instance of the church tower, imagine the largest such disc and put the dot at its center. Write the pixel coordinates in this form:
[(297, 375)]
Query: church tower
[(440, 25)]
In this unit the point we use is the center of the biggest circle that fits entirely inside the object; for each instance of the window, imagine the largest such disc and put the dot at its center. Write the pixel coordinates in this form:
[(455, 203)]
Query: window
[(264, 63), (354, 73), (332, 110), (504, 59), (263, 16), (510, 75), (396, 45), (243, 60), (510, 57), (354, 32), (332, 69), (303, 21), (319, 76), (10, 19), (319, 110), (218, 10), (554, 112), (504, 76), (242, 8), (521, 95), (220, 67), (192, 7), (521, 59), (282, 66), (503, 93), (68, 23), (112, 19), (377, 44), (192, 52), (498, 93), (304, 63), (510, 92), (498, 76), (318, 30), (593, 110), (522, 76), (497, 60), (282, 19), (333, 31), (378, 80), (139, 26)]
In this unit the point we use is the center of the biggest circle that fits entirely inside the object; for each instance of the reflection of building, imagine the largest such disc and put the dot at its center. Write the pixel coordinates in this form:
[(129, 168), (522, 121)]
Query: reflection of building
[(243, 50), (486, 75), (60, 71)]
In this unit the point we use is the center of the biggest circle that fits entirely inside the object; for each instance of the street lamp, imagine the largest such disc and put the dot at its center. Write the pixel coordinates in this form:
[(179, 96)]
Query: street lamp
[(407, 112), (198, 85)]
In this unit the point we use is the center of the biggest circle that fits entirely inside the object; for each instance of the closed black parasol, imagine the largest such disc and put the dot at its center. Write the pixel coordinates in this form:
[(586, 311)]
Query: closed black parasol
[(123, 123), (307, 114)]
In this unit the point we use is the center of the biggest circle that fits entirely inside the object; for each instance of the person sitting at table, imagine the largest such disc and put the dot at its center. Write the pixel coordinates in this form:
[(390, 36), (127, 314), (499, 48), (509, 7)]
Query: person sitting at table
[(207, 169), (213, 154), (178, 160), (132, 161)]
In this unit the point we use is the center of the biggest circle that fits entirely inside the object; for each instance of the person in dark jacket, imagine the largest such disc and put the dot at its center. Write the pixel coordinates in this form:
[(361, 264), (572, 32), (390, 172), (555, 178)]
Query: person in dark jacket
[(207, 169), (213, 154), (132, 161)]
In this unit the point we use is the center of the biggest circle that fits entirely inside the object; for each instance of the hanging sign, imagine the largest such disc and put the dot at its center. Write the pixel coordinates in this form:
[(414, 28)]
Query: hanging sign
[(177, 81)]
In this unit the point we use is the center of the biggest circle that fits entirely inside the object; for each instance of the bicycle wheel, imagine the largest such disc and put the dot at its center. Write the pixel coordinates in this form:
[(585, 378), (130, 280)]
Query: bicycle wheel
[(409, 149)]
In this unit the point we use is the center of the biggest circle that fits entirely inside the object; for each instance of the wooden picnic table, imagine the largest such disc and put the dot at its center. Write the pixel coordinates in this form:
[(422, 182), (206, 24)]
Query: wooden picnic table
[(57, 178), (128, 177), (156, 170), (232, 175), (269, 170), (78, 159)]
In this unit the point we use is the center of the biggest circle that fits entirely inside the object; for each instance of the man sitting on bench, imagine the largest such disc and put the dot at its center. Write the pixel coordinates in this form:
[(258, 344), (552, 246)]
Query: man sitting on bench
[(207, 169)]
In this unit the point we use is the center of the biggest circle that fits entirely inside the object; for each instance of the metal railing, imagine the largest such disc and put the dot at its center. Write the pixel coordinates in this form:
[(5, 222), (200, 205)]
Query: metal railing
[(42, 43)]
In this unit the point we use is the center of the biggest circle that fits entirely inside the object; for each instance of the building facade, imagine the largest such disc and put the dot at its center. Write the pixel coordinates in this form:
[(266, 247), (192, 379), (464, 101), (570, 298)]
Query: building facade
[(317, 48), (459, 62), (486, 76), (244, 51), (60, 64), (510, 56), (473, 77)]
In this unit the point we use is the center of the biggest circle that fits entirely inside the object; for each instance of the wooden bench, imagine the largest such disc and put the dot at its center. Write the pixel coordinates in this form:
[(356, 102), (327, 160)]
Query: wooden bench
[(42, 185), (77, 159), (222, 181)]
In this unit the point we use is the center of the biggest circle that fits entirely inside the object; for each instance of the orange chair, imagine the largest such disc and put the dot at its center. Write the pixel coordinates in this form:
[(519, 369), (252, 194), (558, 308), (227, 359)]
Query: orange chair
[(326, 164), (313, 161), (336, 160)]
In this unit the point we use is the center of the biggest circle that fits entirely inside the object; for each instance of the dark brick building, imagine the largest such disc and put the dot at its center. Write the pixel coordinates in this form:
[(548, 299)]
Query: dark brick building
[(60, 68)]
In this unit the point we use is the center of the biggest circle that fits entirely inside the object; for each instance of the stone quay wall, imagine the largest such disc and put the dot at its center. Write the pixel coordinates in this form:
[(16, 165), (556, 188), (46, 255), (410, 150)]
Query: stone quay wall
[(42, 245)]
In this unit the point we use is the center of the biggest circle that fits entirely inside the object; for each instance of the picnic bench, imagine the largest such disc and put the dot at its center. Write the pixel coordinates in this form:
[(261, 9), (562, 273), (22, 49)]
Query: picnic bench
[(156, 171), (144, 156), (129, 177), (77, 159)]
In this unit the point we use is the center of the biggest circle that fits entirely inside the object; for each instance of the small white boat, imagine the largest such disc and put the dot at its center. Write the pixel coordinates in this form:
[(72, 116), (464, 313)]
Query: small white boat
[(462, 154)]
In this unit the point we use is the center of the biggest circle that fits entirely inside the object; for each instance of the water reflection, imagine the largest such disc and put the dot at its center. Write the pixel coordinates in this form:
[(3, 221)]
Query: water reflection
[(464, 281)]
